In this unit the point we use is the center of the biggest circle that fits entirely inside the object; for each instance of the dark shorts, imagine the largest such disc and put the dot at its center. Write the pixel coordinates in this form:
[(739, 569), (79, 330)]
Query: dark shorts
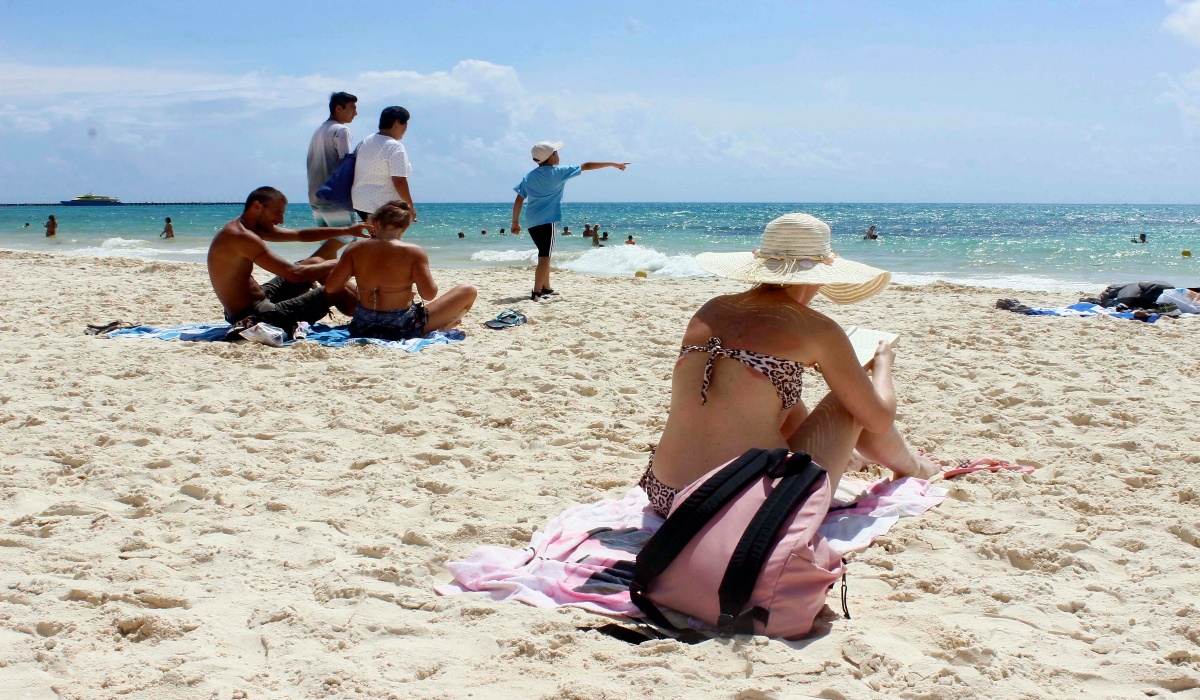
[(543, 237), (287, 304), (401, 324)]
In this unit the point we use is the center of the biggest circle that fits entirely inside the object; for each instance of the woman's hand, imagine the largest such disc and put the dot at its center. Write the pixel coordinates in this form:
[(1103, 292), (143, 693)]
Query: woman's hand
[(885, 356)]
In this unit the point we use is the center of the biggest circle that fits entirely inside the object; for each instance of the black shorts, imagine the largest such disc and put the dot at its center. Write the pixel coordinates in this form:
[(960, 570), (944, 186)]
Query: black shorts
[(543, 236), (287, 304)]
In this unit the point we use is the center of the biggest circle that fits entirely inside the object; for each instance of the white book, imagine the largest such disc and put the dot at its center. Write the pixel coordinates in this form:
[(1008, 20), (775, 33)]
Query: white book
[(866, 341)]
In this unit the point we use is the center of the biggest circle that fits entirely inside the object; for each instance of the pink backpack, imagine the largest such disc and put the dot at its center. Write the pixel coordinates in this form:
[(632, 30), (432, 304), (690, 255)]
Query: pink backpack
[(740, 549)]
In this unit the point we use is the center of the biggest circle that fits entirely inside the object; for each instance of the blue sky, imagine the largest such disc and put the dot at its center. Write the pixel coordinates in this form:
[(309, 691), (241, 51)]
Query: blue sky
[(1094, 101)]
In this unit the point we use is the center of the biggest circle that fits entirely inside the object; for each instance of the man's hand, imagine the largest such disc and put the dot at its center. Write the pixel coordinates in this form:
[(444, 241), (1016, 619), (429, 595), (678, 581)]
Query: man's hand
[(360, 230), (620, 166), (516, 228)]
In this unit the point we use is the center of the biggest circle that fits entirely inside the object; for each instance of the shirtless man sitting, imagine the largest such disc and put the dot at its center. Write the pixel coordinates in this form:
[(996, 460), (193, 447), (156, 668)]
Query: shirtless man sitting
[(386, 271), (294, 294)]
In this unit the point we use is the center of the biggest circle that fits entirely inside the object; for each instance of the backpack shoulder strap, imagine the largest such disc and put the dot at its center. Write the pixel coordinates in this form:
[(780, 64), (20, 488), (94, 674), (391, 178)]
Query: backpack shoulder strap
[(689, 518), (800, 475)]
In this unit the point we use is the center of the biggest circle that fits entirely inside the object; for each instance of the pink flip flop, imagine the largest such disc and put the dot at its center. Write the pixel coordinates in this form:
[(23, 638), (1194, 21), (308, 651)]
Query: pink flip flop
[(985, 463)]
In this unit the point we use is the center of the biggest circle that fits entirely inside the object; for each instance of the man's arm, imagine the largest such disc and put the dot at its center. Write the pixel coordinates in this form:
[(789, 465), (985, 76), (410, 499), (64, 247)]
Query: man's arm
[(258, 253), (312, 235), (401, 185), (423, 277), (596, 166), (516, 222)]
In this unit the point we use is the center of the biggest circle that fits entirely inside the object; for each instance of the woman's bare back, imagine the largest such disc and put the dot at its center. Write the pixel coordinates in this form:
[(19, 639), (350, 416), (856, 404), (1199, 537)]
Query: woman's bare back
[(744, 408), (385, 271)]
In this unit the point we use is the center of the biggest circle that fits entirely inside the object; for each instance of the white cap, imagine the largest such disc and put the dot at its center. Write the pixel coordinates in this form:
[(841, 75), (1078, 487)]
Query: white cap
[(544, 149)]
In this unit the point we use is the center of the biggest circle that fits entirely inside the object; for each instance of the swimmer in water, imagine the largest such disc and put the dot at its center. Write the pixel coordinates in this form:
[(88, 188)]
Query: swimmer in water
[(168, 230)]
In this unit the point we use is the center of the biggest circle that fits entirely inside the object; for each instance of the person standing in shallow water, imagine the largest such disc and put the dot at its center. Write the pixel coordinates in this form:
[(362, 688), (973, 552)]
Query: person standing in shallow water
[(168, 230), (543, 188), (51, 227)]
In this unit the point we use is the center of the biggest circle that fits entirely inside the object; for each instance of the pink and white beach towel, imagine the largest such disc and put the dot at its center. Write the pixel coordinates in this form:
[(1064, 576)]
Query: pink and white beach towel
[(585, 557)]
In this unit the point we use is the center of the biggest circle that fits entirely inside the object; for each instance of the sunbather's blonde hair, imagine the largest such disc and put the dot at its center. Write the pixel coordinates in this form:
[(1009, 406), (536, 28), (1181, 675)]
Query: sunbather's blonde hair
[(394, 214)]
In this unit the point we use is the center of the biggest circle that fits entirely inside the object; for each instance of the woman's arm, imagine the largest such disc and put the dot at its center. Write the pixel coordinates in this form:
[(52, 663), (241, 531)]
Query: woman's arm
[(342, 272), (870, 399)]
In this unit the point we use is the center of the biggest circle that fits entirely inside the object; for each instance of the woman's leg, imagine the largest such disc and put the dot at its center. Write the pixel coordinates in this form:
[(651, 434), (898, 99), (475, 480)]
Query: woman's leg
[(890, 450), (828, 435), (447, 311)]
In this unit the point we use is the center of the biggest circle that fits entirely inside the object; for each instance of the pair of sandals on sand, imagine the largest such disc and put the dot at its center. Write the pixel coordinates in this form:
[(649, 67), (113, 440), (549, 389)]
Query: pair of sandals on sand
[(506, 319), (106, 328)]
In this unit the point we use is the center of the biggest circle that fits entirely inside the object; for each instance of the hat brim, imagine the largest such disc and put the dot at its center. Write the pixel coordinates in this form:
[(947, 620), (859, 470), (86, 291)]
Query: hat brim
[(842, 281)]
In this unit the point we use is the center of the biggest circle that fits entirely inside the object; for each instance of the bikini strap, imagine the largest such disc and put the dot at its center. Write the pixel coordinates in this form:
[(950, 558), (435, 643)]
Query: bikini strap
[(713, 349)]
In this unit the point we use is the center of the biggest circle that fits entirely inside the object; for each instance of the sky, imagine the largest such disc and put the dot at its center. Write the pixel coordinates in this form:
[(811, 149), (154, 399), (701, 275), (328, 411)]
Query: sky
[(1090, 101)]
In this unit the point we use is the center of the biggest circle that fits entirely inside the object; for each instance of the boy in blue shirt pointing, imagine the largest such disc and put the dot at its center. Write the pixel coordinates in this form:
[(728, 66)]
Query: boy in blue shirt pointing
[(542, 188)]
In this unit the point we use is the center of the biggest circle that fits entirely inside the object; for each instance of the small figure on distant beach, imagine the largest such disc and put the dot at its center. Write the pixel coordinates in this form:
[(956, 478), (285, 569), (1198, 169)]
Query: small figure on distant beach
[(168, 230), (1140, 239), (461, 234), (502, 233), (483, 232), (26, 224), (543, 188), (566, 230), (385, 270), (51, 226), (596, 239), (587, 230), (604, 236), (629, 241), (870, 235)]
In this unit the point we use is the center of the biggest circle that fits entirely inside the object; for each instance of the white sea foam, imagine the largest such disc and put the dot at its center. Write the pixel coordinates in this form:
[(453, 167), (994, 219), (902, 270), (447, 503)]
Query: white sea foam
[(505, 255), (625, 260), (118, 247), (1022, 283)]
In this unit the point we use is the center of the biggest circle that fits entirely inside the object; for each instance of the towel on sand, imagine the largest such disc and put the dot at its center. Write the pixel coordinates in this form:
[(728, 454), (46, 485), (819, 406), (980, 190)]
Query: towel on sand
[(585, 556), (1085, 309), (331, 336)]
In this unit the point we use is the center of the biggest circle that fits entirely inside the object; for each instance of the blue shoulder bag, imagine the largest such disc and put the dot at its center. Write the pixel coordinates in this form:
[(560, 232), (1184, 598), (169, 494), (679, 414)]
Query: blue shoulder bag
[(336, 190)]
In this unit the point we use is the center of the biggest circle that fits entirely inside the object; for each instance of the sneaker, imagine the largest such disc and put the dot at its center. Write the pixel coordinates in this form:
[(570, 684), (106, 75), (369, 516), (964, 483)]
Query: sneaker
[(535, 296), (548, 292)]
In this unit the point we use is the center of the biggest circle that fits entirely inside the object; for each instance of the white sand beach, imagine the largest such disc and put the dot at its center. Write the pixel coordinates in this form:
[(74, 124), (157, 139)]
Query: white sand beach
[(205, 520)]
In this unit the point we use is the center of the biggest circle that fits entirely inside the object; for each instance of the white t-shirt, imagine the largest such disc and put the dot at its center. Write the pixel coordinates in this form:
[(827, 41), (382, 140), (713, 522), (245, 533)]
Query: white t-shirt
[(329, 145), (380, 158)]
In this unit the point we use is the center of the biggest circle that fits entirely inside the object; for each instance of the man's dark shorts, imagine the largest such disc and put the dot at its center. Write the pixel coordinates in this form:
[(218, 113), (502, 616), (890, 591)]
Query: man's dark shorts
[(287, 304)]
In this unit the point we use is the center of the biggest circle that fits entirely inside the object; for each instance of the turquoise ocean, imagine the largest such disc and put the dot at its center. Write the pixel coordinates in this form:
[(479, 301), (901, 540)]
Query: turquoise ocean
[(1027, 247)]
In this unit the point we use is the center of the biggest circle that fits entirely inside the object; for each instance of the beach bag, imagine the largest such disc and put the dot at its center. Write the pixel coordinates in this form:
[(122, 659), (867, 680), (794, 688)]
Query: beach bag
[(1181, 300), (740, 549), (336, 190), (1135, 295)]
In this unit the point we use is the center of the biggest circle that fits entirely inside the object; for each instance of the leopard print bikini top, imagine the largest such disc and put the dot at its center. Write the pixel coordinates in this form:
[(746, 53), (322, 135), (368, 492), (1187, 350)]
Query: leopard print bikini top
[(786, 375)]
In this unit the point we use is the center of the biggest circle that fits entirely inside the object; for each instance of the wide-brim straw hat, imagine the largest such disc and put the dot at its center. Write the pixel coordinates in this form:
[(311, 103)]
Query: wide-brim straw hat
[(795, 250)]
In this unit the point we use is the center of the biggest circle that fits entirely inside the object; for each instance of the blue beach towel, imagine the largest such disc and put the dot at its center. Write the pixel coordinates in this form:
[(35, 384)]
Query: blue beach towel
[(329, 336), (1085, 309)]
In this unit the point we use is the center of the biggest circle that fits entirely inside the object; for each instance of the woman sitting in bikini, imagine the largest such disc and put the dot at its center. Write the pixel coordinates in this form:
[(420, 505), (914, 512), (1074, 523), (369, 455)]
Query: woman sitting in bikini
[(739, 374), (386, 270)]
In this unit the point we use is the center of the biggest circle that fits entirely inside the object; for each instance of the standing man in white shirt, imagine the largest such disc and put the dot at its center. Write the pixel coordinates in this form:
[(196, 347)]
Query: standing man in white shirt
[(382, 169), (329, 145)]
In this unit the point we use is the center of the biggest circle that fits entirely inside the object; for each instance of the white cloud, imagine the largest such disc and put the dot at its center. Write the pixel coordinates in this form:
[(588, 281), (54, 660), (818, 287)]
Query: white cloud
[(1184, 19), (1184, 92)]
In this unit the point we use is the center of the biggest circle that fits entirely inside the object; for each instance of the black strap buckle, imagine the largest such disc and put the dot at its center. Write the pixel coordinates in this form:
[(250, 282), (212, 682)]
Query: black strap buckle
[(789, 466)]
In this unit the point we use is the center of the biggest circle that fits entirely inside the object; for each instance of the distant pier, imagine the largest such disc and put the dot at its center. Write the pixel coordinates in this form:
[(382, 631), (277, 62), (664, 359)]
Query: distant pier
[(135, 204)]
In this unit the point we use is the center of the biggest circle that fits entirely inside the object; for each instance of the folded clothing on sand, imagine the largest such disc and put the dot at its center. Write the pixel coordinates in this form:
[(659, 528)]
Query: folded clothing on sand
[(585, 556), (330, 336)]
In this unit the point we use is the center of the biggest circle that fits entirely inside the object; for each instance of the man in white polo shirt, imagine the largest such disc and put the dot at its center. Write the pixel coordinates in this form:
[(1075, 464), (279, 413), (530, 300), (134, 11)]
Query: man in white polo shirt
[(329, 145), (382, 169)]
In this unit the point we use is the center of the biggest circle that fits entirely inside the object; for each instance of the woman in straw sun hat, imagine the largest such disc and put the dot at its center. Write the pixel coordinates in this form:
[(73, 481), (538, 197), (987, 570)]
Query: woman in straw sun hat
[(737, 381)]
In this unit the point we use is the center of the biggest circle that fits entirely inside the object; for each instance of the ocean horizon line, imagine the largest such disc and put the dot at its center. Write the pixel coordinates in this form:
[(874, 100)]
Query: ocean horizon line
[(664, 202)]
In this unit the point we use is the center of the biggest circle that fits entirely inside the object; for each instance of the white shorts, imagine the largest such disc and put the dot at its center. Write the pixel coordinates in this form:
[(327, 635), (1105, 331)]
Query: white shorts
[(334, 217)]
